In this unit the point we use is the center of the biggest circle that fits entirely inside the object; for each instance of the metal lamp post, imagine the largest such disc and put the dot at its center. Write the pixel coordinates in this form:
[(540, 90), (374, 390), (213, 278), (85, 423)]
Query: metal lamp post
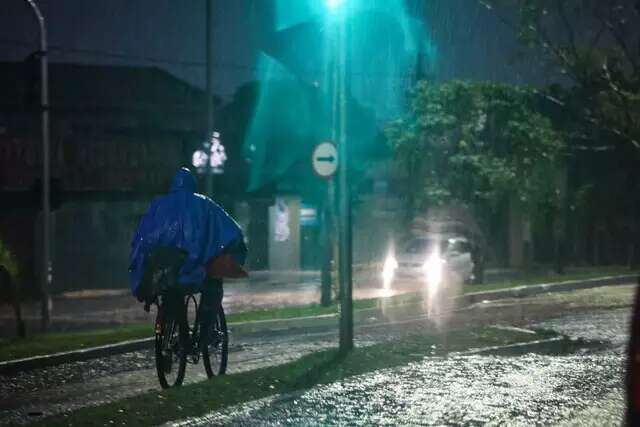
[(209, 84), (344, 202), (45, 280), (346, 279)]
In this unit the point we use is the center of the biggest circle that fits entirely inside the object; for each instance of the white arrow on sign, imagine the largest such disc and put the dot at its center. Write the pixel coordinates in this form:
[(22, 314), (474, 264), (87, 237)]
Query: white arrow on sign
[(325, 160)]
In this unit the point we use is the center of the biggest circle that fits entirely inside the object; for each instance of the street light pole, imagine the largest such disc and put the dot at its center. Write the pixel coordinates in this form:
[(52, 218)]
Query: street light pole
[(345, 236), (45, 284), (329, 211), (209, 79)]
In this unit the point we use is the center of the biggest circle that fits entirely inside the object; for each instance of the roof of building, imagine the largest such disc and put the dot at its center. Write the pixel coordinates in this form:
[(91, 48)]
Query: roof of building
[(84, 86)]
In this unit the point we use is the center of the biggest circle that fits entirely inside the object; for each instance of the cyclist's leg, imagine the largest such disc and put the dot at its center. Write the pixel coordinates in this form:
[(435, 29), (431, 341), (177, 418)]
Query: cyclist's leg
[(173, 301), (212, 294)]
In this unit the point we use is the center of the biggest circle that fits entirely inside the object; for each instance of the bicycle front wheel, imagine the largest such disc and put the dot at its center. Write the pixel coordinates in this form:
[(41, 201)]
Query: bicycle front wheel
[(171, 357), (215, 353)]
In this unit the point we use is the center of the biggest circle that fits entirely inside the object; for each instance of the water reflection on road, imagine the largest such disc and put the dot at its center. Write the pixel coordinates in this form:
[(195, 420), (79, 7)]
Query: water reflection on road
[(473, 390), (533, 389)]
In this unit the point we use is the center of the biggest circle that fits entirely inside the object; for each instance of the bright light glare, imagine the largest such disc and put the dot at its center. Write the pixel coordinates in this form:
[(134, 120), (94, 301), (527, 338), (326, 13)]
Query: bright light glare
[(218, 155), (433, 269), (334, 4), (388, 270), (385, 293), (199, 159)]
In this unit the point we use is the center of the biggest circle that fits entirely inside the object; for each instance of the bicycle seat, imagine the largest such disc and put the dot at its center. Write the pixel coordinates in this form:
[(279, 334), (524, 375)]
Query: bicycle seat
[(166, 257), (161, 270)]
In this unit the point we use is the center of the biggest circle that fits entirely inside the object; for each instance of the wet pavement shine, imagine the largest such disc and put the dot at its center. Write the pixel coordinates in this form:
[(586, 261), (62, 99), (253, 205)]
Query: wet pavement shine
[(31, 395), (533, 389)]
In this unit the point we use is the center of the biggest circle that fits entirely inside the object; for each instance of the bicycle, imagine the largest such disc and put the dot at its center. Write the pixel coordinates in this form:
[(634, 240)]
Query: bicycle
[(177, 341)]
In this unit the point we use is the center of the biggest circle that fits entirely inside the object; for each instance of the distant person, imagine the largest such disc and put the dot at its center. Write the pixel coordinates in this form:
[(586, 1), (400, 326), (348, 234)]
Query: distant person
[(210, 241)]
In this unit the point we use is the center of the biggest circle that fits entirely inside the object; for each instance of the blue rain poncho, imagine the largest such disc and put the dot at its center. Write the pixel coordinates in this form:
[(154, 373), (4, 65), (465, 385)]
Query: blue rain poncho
[(185, 220)]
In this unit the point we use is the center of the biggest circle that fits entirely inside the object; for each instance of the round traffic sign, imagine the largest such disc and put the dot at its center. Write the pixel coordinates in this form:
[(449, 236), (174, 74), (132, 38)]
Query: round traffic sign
[(325, 160)]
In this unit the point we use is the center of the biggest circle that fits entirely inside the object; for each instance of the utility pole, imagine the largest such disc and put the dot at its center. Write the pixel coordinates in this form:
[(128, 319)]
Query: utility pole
[(327, 245), (209, 79), (45, 279), (345, 236), (328, 218)]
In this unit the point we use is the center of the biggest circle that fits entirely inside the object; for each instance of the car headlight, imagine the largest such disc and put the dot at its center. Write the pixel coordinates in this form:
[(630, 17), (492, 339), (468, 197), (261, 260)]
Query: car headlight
[(389, 268), (433, 269)]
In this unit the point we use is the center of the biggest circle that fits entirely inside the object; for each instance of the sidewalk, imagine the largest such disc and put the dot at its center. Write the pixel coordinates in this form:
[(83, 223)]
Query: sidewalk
[(91, 309), (94, 308)]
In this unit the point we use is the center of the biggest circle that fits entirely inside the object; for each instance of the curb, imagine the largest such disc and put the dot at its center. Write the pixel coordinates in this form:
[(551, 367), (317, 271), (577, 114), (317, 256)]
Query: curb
[(567, 286), (513, 349), (36, 362), (555, 345), (281, 325), (10, 367)]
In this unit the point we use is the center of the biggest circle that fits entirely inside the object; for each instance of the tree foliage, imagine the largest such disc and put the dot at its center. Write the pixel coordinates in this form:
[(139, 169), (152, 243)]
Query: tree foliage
[(8, 260), (476, 144), (595, 44)]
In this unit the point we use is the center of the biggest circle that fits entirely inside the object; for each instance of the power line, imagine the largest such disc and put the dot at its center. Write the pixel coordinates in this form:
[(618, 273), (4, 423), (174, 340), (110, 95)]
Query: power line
[(127, 56), (184, 63)]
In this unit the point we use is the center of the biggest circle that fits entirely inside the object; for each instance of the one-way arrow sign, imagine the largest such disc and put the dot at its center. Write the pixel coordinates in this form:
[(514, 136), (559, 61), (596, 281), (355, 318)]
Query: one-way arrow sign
[(325, 160)]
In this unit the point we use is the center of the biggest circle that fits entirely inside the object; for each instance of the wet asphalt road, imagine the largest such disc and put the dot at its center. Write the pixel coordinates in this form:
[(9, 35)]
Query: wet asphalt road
[(31, 395), (473, 390)]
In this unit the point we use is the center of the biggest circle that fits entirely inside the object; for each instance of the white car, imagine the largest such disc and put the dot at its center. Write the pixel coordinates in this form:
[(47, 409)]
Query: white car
[(431, 258)]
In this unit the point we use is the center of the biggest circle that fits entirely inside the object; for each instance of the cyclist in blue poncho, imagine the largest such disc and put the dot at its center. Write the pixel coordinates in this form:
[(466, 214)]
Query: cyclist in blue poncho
[(193, 226)]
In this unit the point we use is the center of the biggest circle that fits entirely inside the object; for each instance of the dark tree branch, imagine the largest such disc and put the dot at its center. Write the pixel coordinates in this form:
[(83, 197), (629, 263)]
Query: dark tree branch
[(491, 5), (596, 39), (561, 57), (591, 81), (619, 38), (568, 27)]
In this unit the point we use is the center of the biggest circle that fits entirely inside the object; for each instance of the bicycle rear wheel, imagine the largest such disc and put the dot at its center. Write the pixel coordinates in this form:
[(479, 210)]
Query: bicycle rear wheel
[(215, 354), (171, 357)]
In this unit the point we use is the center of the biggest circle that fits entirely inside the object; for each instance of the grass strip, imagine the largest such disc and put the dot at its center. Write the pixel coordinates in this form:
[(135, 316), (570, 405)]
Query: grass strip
[(55, 342), (550, 278), (155, 407)]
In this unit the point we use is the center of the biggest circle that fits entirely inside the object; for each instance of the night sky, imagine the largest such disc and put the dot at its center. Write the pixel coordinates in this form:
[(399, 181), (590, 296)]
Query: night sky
[(471, 42)]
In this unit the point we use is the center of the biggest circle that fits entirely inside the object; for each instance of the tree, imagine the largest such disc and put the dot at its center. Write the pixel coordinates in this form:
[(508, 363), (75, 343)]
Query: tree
[(595, 45), (9, 291), (482, 145)]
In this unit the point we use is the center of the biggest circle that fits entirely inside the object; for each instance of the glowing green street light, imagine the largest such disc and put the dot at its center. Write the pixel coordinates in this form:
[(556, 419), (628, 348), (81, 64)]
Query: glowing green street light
[(334, 5)]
